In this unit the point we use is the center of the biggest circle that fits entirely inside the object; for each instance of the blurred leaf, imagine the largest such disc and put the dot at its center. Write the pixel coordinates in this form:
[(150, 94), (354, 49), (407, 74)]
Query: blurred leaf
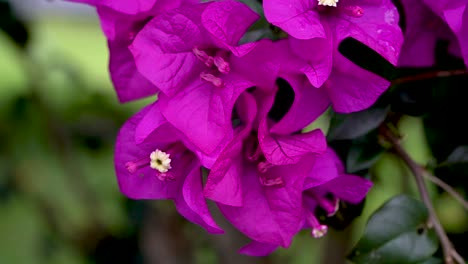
[(11, 25), (367, 58), (100, 177), (353, 125), (432, 261), (452, 215), (395, 234), (254, 5), (455, 168), (303, 250), (364, 152), (21, 227), (459, 155)]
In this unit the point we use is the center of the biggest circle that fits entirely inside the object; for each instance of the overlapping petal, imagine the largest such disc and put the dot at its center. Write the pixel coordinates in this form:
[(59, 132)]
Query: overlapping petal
[(273, 214), (423, 29), (227, 22), (309, 103), (290, 149), (454, 13), (143, 182), (351, 88), (298, 18), (202, 112)]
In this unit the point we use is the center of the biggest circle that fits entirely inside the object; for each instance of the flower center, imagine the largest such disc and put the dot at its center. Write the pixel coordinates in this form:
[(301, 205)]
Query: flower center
[(254, 153), (216, 63), (216, 81), (328, 2), (203, 56), (330, 7), (160, 161)]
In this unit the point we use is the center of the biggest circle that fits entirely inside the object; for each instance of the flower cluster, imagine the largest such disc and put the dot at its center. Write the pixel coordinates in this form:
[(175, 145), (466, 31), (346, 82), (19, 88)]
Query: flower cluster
[(218, 95)]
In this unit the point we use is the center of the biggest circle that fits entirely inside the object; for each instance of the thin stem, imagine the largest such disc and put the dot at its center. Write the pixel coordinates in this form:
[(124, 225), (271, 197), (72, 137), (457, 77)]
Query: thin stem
[(449, 189), (418, 173), (457, 257), (430, 75)]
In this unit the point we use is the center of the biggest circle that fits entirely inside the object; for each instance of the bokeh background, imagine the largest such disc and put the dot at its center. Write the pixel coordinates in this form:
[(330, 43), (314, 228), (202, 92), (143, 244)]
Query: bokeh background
[(59, 199)]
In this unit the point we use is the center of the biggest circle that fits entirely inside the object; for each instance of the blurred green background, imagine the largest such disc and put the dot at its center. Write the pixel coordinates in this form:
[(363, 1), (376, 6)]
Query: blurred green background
[(59, 200)]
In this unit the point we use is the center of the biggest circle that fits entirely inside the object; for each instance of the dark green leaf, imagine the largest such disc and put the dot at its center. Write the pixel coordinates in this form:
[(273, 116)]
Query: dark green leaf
[(432, 261), (455, 168), (353, 125), (395, 233), (254, 5), (459, 155), (363, 153)]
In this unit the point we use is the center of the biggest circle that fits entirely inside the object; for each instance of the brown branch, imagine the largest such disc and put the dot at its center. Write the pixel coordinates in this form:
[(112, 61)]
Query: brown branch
[(449, 189), (418, 171), (430, 75), (457, 257)]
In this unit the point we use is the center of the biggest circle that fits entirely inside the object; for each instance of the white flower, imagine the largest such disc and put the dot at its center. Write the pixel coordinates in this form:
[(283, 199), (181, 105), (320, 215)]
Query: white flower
[(160, 161)]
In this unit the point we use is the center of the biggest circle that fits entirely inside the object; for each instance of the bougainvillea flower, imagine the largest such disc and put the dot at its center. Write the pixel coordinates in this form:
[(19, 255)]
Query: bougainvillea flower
[(203, 112), (304, 19), (257, 179), (373, 22), (323, 188), (121, 21), (455, 14), (187, 53), (326, 186), (160, 166), (190, 42), (341, 94), (315, 33), (423, 28)]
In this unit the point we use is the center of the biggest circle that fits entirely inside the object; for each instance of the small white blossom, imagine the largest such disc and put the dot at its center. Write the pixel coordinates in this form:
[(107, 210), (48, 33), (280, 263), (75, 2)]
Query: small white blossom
[(160, 161), (319, 231), (328, 2)]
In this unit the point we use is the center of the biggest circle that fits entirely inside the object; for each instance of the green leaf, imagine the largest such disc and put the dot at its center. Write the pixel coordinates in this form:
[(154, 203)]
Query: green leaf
[(254, 5), (363, 153), (455, 168), (459, 155), (395, 233), (353, 125), (432, 261)]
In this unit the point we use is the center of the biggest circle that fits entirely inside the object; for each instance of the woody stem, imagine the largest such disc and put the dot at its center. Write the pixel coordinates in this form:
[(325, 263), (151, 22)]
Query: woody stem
[(449, 251)]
